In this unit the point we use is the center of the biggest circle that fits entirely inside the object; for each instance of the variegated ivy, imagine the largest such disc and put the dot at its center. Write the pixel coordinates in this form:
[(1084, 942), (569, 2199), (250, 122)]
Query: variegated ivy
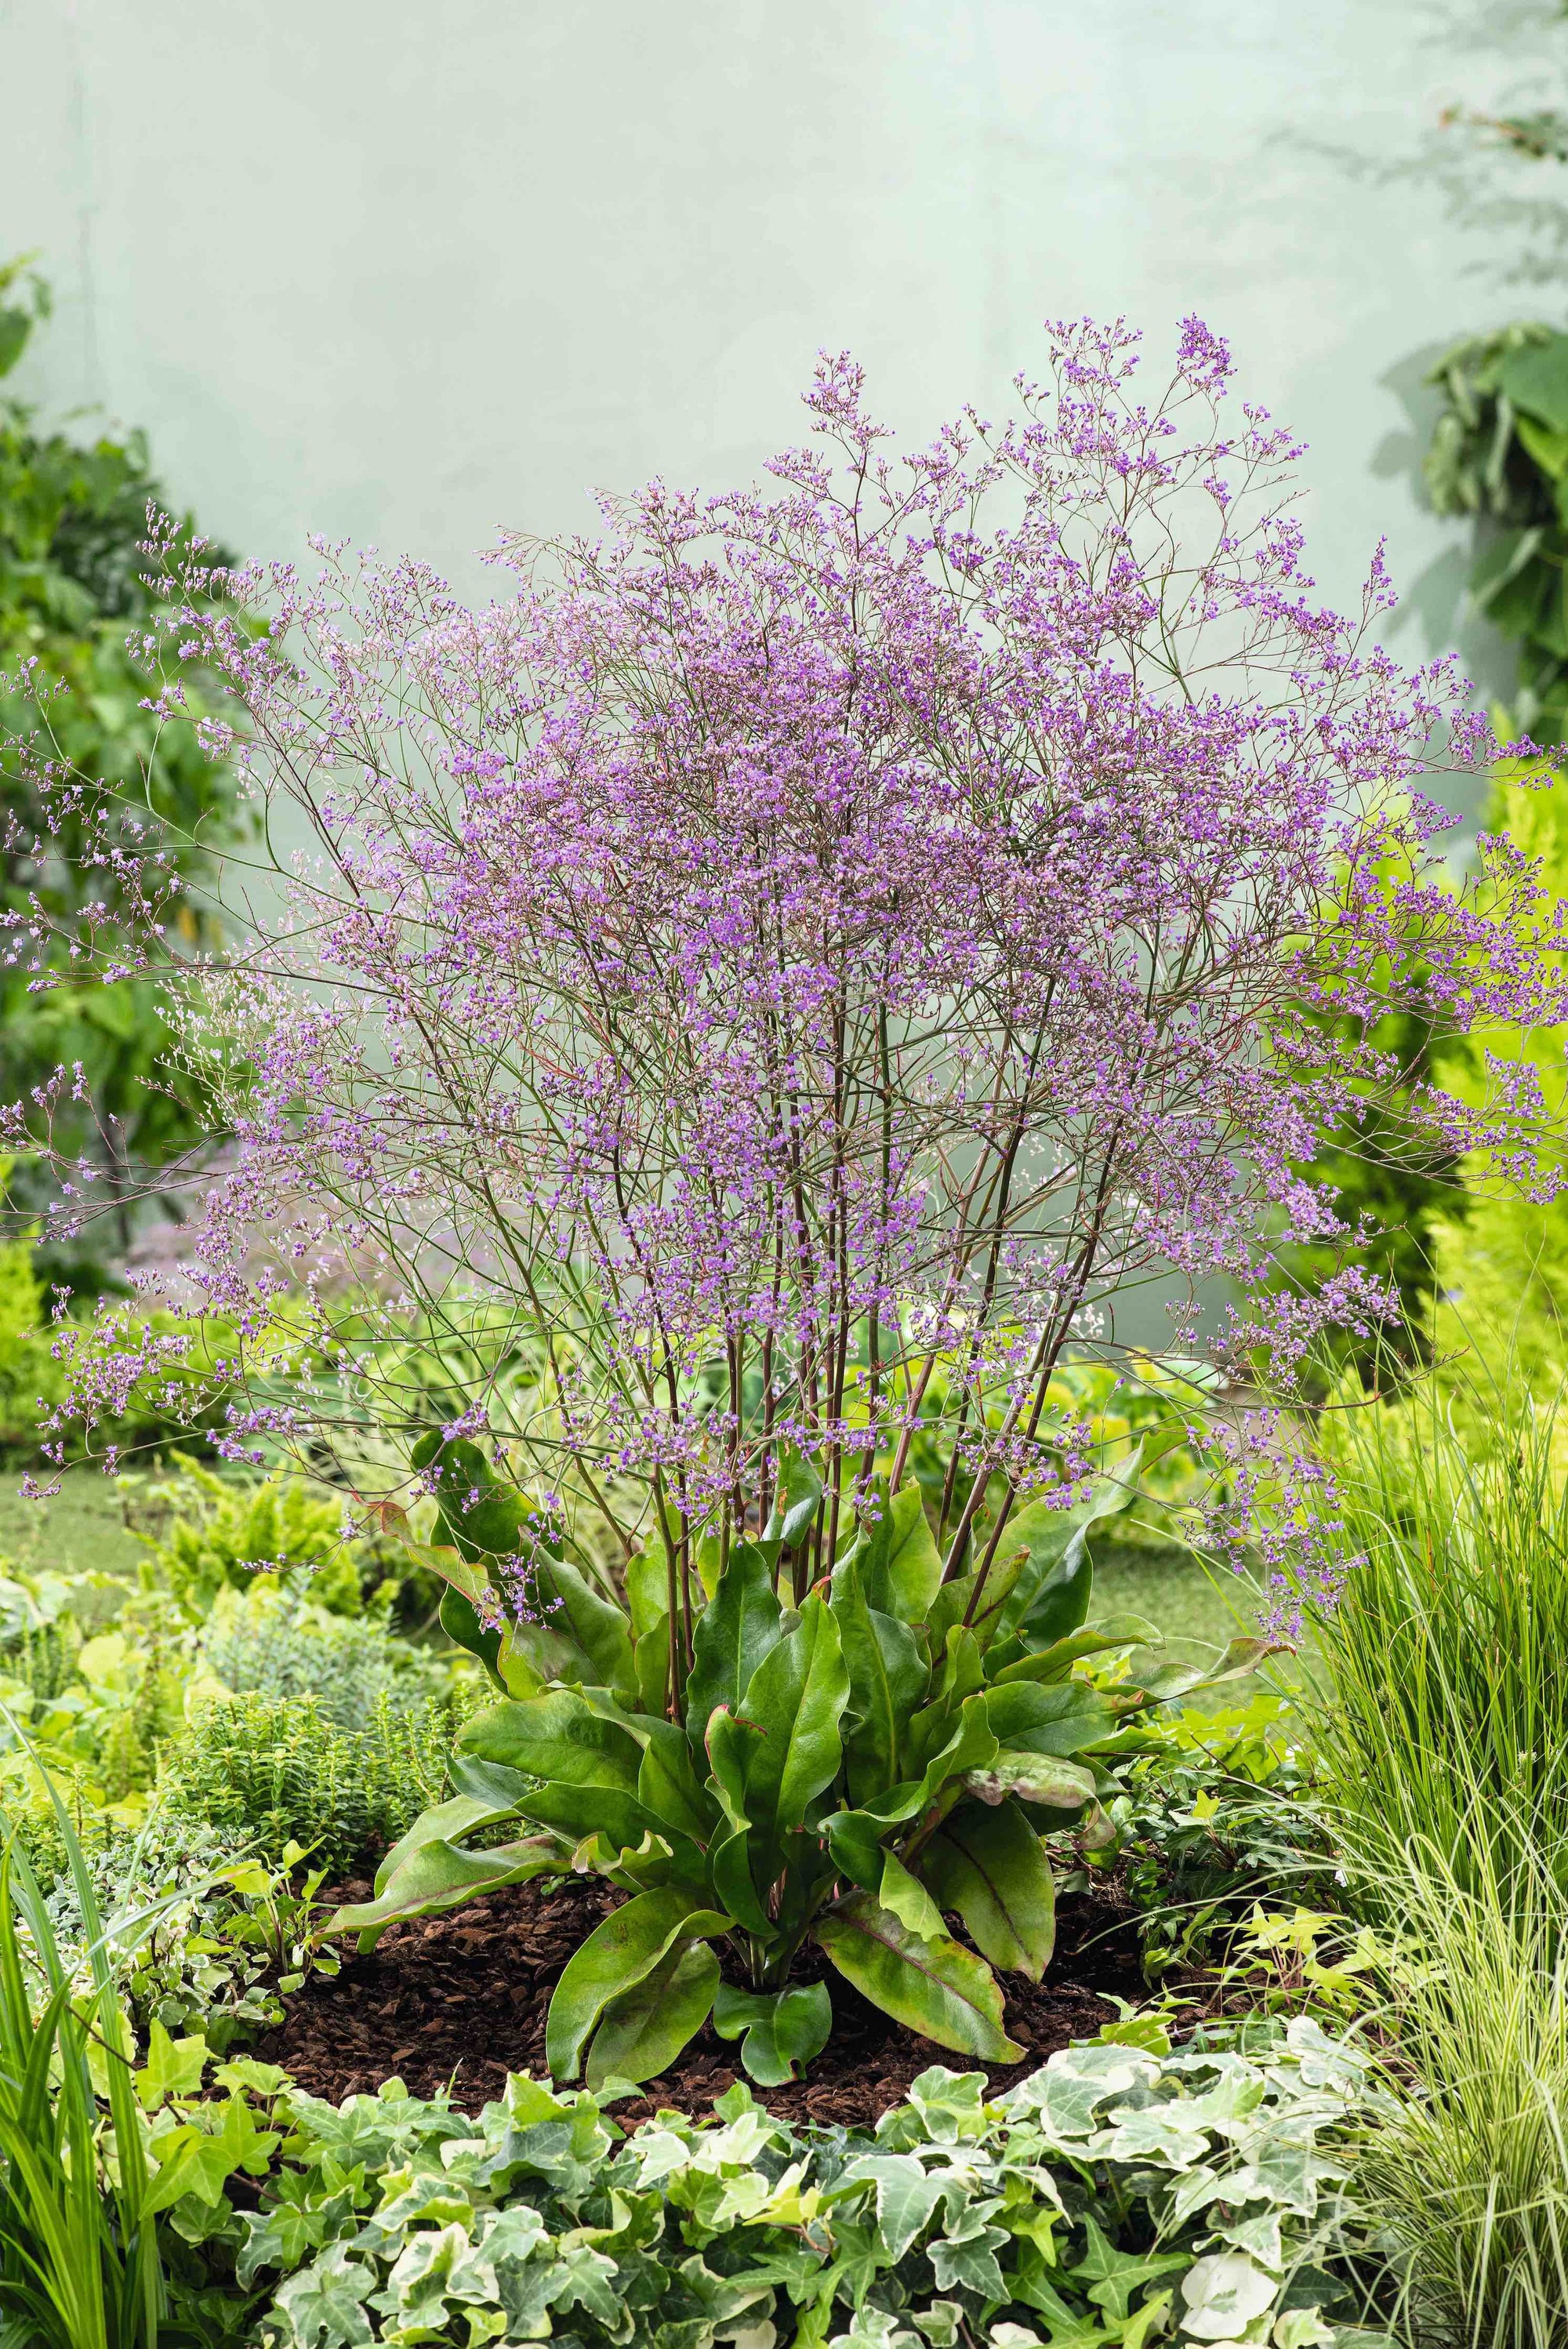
[(1122, 2192)]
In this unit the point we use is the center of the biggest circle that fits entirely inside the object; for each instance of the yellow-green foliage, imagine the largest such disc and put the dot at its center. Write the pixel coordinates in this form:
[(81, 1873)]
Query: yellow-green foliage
[(222, 1536), (1501, 1260)]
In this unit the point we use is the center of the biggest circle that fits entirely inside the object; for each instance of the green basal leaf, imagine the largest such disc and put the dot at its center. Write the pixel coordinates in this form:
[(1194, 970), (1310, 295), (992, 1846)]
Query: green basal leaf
[(736, 1630), (795, 1698), (437, 1876), (619, 1953), (783, 2029), (987, 1864), (559, 1736), (1241, 1657), (889, 1678), (900, 1565), (644, 2030), (933, 1987), (1034, 1778), (1062, 1717), (568, 1610), (1056, 1663)]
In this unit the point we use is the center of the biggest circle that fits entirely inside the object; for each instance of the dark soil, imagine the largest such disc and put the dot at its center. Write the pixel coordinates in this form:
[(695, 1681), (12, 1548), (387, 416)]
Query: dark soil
[(461, 1999)]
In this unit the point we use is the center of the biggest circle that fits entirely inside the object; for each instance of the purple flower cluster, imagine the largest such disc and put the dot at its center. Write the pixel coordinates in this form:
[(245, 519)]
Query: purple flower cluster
[(811, 952)]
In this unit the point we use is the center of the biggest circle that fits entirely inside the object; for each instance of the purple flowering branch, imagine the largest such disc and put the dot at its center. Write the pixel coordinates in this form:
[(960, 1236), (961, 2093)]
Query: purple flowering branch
[(804, 958)]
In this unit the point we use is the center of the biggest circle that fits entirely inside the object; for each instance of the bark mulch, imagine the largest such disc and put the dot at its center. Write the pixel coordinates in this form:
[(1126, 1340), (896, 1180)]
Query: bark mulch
[(460, 2000)]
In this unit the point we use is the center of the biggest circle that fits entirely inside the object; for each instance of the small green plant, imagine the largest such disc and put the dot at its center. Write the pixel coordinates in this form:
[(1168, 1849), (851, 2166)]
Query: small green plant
[(841, 1762), (272, 1641), (278, 1770), (217, 1533)]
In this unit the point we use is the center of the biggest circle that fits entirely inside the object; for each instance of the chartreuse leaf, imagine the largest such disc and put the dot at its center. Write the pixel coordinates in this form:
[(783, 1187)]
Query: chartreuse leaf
[(988, 1865), (735, 1630), (644, 2029), (556, 1736), (904, 1897), (783, 2028), (617, 1955), (173, 2067), (888, 1680), (933, 1986), (793, 1706)]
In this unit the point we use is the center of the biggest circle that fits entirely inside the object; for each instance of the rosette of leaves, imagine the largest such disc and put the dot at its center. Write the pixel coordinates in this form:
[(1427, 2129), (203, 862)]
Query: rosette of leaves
[(841, 1775)]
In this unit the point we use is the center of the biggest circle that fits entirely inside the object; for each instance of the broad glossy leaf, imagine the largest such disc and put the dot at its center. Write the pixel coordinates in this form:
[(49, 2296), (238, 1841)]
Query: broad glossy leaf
[(729, 1742), (460, 1621), (647, 1586), (735, 1630), (447, 1822), (783, 2028), (484, 1516), (1050, 1597), (439, 1876), (600, 1632), (619, 1953), (556, 1736), (796, 1698), (651, 1665), (795, 1506), (1535, 378), (579, 1811), (888, 1680), (900, 1565), (904, 1895), (1034, 1778), (854, 1838), (729, 1865), (1061, 1717), (933, 1987), (669, 1787), (988, 1865), (644, 2029)]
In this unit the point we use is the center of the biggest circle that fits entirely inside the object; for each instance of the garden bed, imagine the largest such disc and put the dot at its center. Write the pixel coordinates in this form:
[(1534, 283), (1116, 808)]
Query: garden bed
[(462, 1998)]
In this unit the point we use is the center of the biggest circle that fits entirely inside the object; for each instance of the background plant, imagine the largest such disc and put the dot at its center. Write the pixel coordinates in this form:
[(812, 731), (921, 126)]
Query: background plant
[(74, 680)]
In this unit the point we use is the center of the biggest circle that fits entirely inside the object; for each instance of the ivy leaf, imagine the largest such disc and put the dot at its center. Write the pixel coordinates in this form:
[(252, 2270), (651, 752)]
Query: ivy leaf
[(173, 2067), (906, 2195), (325, 2303)]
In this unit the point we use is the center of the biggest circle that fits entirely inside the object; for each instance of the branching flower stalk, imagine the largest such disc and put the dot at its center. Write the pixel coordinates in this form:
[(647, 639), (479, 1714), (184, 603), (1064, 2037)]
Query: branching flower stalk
[(808, 956)]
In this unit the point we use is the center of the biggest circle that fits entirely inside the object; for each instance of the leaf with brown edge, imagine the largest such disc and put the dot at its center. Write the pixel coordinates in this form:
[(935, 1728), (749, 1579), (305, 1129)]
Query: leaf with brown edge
[(933, 1987)]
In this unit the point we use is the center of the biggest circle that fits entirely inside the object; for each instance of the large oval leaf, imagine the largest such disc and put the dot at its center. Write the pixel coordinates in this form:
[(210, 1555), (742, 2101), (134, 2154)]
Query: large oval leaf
[(889, 1678), (557, 1737), (735, 1630), (988, 1865), (646, 2028), (794, 1701), (936, 1988), (899, 1562), (1034, 1778), (1060, 1718), (569, 1612), (617, 1955)]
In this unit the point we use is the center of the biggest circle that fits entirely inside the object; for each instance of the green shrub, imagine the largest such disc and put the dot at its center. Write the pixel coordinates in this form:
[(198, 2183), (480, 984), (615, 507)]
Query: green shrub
[(1120, 2192), (273, 1644), (278, 1770), (219, 1535)]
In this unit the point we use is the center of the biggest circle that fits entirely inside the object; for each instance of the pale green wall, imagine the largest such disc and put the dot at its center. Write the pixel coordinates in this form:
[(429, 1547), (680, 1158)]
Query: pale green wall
[(405, 271)]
